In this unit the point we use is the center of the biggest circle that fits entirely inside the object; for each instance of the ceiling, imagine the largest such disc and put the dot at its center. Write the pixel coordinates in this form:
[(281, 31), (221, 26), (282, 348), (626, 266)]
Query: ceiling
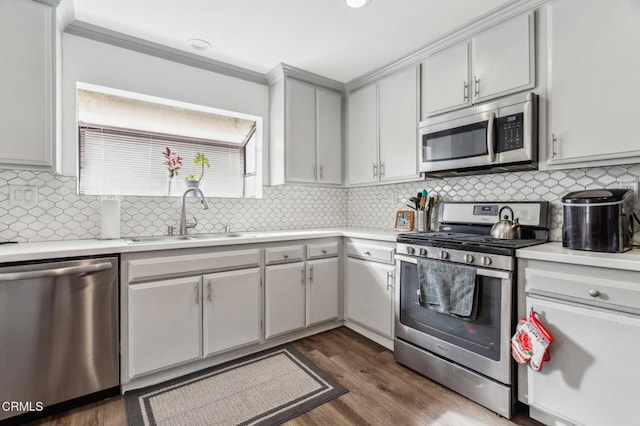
[(321, 36)]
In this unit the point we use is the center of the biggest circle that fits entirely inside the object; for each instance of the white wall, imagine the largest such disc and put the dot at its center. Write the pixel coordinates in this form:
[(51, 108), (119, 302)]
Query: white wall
[(88, 61)]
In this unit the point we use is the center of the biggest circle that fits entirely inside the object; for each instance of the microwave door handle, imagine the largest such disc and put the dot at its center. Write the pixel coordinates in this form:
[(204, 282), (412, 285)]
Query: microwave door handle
[(491, 146)]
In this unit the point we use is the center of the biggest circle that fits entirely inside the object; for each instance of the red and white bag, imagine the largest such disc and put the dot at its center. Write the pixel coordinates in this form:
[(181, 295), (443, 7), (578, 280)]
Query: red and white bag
[(530, 343)]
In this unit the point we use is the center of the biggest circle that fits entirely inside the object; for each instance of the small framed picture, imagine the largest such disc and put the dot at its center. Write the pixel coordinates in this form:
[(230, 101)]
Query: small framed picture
[(404, 220)]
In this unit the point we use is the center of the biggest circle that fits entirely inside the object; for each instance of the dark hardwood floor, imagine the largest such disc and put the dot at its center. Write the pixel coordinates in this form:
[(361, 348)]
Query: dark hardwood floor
[(381, 392)]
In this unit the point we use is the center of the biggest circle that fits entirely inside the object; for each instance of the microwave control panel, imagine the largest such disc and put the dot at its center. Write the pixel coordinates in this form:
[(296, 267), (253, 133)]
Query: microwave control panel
[(510, 132)]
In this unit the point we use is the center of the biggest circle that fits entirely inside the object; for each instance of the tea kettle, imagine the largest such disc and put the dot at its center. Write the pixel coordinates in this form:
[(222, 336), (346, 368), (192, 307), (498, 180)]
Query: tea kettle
[(506, 229)]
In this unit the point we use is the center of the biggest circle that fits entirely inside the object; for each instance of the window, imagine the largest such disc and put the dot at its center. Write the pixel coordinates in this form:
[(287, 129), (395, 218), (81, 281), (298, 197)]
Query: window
[(122, 140)]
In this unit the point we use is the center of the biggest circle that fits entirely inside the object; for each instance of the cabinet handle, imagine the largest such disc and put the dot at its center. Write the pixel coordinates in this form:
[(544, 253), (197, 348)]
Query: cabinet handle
[(554, 146), (302, 275), (465, 91), (286, 256), (315, 173), (321, 167), (375, 170), (198, 294), (389, 279), (594, 293), (476, 92), (310, 274), (368, 253), (324, 251), (381, 169), (209, 291)]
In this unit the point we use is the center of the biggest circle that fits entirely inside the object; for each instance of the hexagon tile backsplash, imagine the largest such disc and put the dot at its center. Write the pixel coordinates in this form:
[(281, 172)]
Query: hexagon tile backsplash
[(61, 214)]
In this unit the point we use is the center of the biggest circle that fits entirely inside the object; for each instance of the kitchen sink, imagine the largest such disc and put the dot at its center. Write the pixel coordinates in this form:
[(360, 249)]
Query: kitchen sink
[(167, 238)]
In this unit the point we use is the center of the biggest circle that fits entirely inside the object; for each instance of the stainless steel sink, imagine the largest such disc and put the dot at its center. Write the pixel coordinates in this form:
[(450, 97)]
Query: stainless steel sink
[(167, 238)]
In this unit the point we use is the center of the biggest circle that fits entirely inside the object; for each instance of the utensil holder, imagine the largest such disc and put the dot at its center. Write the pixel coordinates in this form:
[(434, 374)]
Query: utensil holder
[(422, 220)]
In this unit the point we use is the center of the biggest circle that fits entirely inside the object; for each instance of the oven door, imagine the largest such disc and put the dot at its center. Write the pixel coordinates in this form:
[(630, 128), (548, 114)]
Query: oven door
[(458, 144), (481, 344)]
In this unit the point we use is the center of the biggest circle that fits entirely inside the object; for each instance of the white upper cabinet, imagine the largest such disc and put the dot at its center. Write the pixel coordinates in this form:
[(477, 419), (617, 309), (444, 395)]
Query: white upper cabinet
[(445, 80), (306, 133), (362, 146), (27, 43), (593, 83), (503, 58), (382, 130), (495, 62)]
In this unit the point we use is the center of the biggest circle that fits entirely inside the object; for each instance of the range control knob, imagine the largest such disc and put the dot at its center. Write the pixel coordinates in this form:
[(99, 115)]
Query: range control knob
[(444, 255), (486, 260), (411, 250), (423, 252), (468, 258)]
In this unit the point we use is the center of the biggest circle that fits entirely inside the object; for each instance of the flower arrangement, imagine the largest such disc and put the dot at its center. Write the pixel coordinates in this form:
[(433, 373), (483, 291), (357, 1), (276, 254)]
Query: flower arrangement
[(202, 161), (173, 162)]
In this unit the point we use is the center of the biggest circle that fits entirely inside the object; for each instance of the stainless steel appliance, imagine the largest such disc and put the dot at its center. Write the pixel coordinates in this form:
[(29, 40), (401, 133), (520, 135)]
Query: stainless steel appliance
[(598, 220), (468, 354), (58, 332), (496, 136)]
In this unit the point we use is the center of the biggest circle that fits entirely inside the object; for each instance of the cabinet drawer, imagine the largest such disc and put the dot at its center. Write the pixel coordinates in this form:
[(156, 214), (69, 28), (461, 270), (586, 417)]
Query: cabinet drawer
[(606, 288), (143, 269), (315, 251), (283, 254), (371, 252)]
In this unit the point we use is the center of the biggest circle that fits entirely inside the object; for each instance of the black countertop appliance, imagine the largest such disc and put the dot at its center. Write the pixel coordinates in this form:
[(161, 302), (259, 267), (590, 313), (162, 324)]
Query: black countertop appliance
[(598, 220)]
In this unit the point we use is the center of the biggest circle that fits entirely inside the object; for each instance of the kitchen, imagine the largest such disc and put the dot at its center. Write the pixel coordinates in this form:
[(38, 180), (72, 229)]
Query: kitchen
[(354, 212)]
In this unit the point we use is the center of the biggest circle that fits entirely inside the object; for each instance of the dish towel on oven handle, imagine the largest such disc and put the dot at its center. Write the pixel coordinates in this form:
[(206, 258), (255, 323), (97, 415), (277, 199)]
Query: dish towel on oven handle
[(447, 288), (531, 342)]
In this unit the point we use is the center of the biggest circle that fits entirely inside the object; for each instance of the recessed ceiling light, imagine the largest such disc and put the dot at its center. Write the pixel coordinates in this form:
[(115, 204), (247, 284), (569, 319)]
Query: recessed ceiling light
[(357, 3), (199, 44)]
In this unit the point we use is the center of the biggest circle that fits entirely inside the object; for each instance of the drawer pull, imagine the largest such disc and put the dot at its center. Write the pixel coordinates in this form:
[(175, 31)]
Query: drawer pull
[(324, 251), (594, 293), (368, 253), (286, 256)]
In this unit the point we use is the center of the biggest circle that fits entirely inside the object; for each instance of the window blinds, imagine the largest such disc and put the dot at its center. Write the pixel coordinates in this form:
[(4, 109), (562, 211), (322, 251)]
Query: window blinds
[(126, 162)]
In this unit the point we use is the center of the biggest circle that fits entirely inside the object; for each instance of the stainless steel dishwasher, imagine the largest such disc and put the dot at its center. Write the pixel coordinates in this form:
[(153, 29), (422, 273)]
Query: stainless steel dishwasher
[(58, 332)]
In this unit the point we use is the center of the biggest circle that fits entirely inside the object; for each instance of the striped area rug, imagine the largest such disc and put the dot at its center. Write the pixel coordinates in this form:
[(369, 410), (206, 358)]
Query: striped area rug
[(266, 388)]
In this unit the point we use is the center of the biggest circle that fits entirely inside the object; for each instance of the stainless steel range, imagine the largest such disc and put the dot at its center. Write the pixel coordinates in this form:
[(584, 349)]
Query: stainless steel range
[(455, 301)]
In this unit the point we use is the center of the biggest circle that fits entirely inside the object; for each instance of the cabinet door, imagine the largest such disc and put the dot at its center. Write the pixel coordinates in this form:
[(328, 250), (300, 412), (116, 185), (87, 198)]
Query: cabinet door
[(592, 376), (503, 58), (231, 310), (329, 136), (594, 87), (322, 290), (284, 298), (398, 106), (370, 295), (300, 131), (165, 324), (362, 143), (26, 83), (445, 80)]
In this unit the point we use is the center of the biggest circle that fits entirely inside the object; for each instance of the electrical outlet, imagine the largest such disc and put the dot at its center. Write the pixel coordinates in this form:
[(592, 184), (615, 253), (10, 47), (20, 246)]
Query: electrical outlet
[(400, 198), (633, 185), (23, 195)]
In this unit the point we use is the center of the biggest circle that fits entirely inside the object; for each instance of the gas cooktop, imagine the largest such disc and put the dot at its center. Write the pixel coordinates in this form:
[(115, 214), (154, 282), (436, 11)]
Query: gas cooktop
[(465, 240)]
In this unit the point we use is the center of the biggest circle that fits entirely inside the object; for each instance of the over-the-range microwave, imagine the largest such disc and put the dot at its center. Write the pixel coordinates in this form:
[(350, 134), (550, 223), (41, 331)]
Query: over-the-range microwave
[(496, 136)]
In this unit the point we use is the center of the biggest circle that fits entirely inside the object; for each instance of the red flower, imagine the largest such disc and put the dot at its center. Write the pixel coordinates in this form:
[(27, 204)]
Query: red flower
[(525, 342), (173, 162)]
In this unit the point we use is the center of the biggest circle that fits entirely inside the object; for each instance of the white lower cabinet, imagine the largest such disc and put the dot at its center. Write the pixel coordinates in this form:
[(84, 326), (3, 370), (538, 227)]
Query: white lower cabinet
[(370, 295), (165, 324), (284, 298), (322, 290), (230, 310)]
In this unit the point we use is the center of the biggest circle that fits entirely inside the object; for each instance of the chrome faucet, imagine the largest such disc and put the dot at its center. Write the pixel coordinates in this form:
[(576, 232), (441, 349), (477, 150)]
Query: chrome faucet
[(183, 214)]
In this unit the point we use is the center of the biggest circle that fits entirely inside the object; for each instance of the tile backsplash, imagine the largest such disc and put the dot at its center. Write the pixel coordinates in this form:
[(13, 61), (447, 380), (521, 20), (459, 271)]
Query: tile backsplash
[(61, 214)]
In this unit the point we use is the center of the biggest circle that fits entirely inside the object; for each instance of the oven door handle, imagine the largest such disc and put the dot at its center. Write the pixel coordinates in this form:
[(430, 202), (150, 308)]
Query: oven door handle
[(493, 273)]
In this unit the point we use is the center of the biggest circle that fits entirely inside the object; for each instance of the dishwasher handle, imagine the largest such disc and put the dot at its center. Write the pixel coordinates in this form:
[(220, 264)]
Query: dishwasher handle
[(56, 272)]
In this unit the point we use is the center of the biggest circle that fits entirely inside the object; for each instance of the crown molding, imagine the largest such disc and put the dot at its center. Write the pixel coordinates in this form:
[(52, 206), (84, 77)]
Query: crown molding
[(285, 70), (463, 32), (114, 38)]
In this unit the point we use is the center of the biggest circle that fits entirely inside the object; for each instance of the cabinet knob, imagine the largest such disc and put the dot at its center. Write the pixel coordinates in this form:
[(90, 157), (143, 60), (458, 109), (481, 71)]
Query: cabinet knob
[(368, 253), (286, 256), (324, 252), (594, 293)]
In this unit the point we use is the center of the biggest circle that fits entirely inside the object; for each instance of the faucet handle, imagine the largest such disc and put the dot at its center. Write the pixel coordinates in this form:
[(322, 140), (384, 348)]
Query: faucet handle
[(193, 224)]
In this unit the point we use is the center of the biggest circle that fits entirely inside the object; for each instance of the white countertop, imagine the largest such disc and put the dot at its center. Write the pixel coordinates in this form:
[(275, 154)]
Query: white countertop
[(554, 252), (20, 252)]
